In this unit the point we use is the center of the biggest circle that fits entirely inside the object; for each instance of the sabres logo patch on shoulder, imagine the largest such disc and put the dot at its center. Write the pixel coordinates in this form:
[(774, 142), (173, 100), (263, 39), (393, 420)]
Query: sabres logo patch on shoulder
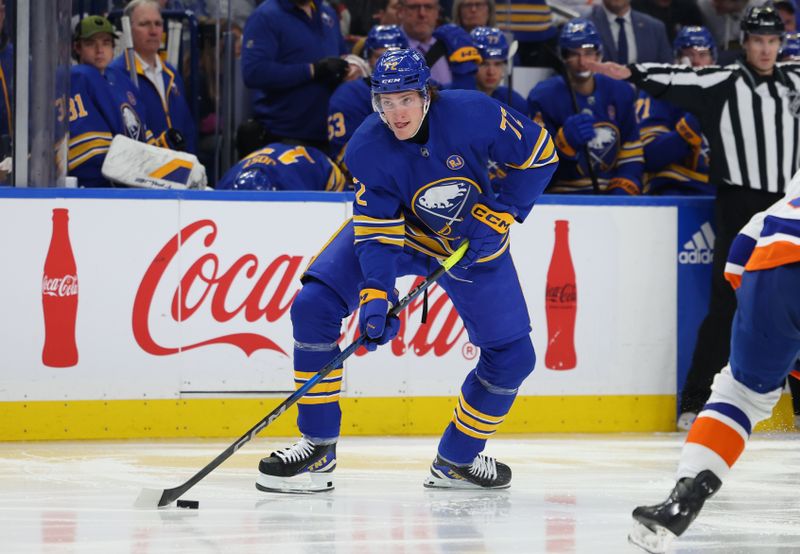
[(455, 162)]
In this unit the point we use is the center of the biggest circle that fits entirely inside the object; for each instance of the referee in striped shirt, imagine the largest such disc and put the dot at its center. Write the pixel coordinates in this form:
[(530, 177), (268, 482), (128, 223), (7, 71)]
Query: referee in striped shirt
[(749, 113)]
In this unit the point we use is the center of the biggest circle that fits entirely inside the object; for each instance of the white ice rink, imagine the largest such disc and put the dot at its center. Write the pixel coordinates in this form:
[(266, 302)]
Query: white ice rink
[(568, 494)]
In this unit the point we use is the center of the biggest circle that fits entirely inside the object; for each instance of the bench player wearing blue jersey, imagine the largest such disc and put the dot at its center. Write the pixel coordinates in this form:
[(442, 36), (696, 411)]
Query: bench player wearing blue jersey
[(422, 187), (351, 103), (676, 158), (600, 124), (103, 102), (764, 267), (493, 48), (280, 166)]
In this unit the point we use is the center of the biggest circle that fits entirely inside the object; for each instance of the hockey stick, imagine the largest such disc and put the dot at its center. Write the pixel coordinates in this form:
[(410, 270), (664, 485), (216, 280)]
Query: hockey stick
[(512, 51), (130, 57), (157, 498), (561, 69)]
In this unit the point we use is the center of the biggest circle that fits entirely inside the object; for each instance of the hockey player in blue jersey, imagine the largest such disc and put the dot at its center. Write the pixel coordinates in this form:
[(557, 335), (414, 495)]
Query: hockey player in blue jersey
[(605, 125), (422, 187), (280, 166), (103, 102), (675, 150), (351, 103), (493, 48)]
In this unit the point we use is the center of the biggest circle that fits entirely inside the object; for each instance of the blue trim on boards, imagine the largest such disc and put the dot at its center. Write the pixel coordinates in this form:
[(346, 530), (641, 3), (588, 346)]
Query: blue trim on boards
[(321, 196)]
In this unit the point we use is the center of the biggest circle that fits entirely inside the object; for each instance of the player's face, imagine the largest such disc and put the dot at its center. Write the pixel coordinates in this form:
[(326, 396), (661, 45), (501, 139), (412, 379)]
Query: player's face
[(403, 112), (97, 50), (577, 63), (474, 13), (490, 75), (697, 57), (418, 18), (761, 51), (146, 28)]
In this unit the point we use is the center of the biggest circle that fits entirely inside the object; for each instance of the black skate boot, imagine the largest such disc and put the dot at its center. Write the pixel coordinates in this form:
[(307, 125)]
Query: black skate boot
[(484, 473), (655, 527), (302, 467)]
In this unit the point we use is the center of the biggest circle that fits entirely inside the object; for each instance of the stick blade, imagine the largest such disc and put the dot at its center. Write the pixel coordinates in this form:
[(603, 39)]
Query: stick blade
[(149, 498)]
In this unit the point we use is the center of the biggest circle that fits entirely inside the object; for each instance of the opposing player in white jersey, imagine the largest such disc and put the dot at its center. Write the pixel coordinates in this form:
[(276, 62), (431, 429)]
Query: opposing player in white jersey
[(764, 268)]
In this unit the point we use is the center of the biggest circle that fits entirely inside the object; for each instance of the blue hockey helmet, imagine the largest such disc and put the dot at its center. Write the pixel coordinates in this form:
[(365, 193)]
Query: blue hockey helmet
[(384, 36), (490, 42), (400, 70), (579, 33), (252, 179), (791, 47), (694, 37)]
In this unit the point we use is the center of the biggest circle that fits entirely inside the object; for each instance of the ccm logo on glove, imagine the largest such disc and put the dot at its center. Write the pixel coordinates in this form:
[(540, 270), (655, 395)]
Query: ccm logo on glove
[(499, 221)]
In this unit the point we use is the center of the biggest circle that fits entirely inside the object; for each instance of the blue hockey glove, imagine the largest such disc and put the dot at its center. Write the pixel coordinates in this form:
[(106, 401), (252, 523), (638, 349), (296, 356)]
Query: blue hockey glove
[(486, 226), (459, 46), (373, 321), (689, 129), (577, 130)]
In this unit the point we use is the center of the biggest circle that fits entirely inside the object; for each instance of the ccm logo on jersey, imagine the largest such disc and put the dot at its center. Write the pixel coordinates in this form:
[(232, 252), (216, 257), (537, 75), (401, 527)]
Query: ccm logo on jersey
[(499, 221)]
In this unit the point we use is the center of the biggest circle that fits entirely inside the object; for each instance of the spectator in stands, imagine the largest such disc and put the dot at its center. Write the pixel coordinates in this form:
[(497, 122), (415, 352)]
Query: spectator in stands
[(531, 22), (103, 102), (7, 89), (630, 36), (674, 14), (448, 49), (597, 127), (790, 51), (160, 85), (676, 158), (280, 166), (724, 18), (351, 103), (469, 14), (292, 60), (787, 10), (493, 48)]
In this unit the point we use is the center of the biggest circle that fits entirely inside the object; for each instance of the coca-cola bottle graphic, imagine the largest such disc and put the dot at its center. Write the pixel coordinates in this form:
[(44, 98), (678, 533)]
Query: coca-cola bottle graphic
[(561, 303), (60, 296)]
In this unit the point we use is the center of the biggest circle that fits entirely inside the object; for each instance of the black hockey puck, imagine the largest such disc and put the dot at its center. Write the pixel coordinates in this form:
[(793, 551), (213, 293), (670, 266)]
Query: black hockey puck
[(191, 504)]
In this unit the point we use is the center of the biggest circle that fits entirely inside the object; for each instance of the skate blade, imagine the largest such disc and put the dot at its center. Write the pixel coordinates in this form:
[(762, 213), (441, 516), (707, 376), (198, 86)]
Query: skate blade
[(305, 483), (433, 482), (655, 541)]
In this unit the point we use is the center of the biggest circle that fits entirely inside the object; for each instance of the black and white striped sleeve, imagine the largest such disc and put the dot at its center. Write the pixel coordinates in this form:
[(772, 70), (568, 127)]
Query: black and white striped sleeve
[(681, 85)]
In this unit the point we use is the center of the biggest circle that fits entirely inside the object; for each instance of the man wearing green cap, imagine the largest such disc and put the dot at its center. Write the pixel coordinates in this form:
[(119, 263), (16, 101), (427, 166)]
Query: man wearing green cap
[(103, 102)]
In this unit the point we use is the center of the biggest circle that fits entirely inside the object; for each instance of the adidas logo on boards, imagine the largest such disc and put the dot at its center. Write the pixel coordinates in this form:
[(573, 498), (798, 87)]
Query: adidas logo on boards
[(699, 250)]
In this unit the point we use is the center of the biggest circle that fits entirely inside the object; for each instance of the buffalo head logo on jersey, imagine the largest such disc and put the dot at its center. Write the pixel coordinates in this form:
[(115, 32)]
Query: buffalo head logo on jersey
[(442, 203), (131, 122), (604, 147)]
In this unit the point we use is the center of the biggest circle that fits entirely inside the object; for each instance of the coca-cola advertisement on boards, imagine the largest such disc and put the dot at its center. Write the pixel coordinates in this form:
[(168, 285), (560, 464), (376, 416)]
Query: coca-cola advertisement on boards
[(242, 300), (191, 298), (561, 303), (60, 296)]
